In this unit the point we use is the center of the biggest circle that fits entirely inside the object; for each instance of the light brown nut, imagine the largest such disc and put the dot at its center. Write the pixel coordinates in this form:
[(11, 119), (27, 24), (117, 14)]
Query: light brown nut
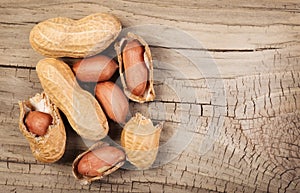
[(49, 147), (140, 139), (65, 37), (98, 161), (80, 107), (95, 69), (38, 122), (113, 100), (136, 72), (135, 68)]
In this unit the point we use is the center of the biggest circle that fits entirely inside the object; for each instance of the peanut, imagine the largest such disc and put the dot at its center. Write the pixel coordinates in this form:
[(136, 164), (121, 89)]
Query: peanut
[(80, 107), (95, 69), (40, 117), (113, 100), (140, 139), (96, 162), (64, 37), (136, 72), (38, 122), (135, 68)]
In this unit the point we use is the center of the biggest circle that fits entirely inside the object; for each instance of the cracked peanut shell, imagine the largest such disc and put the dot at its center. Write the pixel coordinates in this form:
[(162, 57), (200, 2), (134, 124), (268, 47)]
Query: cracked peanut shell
[(140, 139), (149, 93), (51, 146), (117, 162)]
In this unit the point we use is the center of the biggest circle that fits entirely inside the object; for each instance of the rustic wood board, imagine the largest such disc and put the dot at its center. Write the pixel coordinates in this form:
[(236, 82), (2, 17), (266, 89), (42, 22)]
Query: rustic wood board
[(254, 130)]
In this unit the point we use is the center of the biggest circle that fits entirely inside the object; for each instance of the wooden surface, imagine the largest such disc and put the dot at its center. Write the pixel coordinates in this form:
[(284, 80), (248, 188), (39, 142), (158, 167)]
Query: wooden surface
[(256, 131)]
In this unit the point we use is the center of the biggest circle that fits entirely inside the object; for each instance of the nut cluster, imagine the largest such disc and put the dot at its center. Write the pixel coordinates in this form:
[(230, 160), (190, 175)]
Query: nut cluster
[(89, 115)]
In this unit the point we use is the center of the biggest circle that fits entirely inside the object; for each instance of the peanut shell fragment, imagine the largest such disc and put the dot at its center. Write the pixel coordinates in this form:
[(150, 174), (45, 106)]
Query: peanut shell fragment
[(140, 139), (50, 147), (97, 162)]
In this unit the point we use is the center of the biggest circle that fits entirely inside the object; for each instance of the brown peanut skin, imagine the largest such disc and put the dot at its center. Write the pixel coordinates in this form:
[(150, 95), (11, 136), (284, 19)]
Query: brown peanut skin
[(136, 72), (38, 122), (113, 100), (99, 158), (95, 69)]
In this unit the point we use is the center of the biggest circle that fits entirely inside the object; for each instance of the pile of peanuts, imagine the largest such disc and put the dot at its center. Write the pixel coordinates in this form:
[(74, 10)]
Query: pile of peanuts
[(84, 40)]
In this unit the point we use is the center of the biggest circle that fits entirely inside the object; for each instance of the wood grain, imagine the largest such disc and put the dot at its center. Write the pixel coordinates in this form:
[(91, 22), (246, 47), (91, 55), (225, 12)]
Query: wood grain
[(245, 113)]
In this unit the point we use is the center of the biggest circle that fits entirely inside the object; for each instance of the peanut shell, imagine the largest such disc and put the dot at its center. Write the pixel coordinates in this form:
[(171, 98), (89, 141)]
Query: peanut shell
[(65, 37), (95, 69), (84, 179), (80, 107), (51, 146), (149, 94), (140, 139)]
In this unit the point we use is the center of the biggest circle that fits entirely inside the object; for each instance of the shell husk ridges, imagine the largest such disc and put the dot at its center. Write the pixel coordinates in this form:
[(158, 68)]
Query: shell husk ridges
[(140, 139), (50, 147), (65, 37), (80, 107)]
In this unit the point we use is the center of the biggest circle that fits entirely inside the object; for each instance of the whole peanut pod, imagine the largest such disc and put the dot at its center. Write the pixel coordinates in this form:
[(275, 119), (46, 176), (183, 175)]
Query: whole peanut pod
[(135, 68), (97, 162), (38, 122), (95, 69), (65, 37), (82, 110), (113, 100), (136, 72)]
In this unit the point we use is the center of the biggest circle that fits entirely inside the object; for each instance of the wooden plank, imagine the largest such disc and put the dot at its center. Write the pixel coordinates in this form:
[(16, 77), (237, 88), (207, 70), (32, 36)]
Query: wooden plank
[(231, 103), (238, 28), (15, 148)]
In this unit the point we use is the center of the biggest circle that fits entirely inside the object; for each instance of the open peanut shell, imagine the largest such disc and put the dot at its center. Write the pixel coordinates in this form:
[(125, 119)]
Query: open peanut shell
[(84, 179), (140, 139), (51, 146), (149, 93)]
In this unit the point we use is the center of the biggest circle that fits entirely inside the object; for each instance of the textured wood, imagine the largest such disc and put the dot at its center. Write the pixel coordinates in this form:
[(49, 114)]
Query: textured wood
[(248, 108)]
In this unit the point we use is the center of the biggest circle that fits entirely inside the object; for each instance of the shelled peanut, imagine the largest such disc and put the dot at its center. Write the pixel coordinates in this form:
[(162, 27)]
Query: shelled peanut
[(99, 69), (135, 68), (113, 101), (38, 122), (136, 72), (95, 69)]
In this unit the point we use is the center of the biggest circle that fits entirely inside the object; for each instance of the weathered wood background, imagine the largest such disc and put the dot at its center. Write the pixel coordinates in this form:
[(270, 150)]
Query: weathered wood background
[(255, 45)]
